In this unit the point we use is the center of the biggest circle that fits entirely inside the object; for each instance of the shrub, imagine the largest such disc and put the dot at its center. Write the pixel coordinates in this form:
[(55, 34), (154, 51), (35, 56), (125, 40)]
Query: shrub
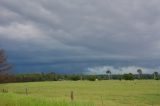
[(75, 77), (128, 76), (92, 78)]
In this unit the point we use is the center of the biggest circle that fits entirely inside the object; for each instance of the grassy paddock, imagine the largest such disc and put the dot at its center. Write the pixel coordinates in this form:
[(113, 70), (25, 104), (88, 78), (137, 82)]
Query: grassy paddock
[(11, 99), (86, 93)]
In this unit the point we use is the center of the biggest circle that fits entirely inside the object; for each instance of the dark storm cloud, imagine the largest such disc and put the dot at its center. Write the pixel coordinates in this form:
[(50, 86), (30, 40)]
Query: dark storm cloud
[(81, 30)]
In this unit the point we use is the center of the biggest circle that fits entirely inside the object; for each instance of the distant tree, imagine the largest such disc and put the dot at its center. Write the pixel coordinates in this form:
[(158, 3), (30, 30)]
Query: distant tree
[(139, 71), (108, 72), (129, 76), (155, 74), (4, 67), (120, 75)]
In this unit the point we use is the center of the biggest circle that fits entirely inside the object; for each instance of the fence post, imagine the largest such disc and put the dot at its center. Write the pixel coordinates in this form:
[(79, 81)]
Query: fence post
[(26, 91), (72, 96), (102, 100), (3, 90)]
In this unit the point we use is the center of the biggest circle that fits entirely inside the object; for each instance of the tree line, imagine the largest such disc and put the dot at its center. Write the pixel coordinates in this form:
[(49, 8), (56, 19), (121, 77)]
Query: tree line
[(33, 77)]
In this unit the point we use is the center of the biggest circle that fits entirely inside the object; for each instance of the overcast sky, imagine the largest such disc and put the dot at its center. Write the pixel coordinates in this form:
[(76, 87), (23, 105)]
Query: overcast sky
[(77, 36)]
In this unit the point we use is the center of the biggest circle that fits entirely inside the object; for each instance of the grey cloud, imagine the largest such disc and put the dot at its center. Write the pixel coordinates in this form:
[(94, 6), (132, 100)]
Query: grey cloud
[(94, 29)]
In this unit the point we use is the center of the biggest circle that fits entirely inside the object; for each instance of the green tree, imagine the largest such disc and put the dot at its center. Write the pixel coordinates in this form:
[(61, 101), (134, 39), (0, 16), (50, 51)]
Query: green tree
[(155, 74), (139, 71), (108, 72)]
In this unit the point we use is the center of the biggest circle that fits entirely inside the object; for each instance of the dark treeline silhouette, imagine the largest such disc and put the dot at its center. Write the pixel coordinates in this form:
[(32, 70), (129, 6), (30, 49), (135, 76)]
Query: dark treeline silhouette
[(52, 77), (34, 77)]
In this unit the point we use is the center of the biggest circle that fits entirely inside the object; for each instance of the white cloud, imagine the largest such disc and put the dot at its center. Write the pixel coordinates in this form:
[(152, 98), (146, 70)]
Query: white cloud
[(18, 31), (100, 70)]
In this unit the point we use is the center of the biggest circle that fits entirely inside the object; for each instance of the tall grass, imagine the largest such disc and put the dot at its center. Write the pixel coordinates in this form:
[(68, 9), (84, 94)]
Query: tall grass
[(101, 93), (10, 99)]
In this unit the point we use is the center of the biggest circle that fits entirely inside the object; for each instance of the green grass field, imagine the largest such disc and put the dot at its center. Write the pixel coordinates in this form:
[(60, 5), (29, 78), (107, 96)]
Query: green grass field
[(86, 93)]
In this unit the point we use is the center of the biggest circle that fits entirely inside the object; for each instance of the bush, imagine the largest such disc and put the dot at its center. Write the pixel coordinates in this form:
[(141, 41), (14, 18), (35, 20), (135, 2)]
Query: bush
[(128, 76), (75, 77), (156, 78), (91, 78)]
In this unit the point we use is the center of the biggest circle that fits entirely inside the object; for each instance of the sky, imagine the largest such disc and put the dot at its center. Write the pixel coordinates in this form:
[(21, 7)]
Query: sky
[(81, 36)]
